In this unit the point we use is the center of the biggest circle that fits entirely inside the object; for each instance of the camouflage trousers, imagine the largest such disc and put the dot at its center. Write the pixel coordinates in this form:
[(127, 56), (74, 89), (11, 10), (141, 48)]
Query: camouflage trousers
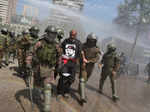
[(6, 56), (21, 56), (1, 56), (106, 72), (43, 75), (43, 79), (12, 52)]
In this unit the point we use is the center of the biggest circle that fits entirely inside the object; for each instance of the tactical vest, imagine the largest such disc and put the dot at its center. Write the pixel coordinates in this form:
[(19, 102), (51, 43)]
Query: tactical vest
[(7, 41), (47, 54), (109, 60), (26, 42), (91, 53), (2, 41)]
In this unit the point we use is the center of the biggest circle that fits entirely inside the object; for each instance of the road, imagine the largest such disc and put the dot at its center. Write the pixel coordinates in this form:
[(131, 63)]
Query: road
[(134, 95)]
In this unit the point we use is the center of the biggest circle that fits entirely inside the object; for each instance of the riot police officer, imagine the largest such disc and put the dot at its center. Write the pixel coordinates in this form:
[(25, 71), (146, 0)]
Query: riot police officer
[(90, 55), (111, 64), (12, 48), (60, 36), (44, 54), (3, 44), (22, 47), (5, 33)]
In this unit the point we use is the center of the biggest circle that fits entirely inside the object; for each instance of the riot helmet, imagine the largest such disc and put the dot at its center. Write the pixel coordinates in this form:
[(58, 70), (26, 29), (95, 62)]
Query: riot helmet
[(51, 33), (60, 33), (12, 34), (91, 40), (25, 32), (122, 54), (19, 34), (34, 30), (50, 29), (111, 47), (4, 31)]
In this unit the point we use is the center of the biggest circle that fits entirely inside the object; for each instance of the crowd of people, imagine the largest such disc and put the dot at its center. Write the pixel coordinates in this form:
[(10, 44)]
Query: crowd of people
[(51, 56)]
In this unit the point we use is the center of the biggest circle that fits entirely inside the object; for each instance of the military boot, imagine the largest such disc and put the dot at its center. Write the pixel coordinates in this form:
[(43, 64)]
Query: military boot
[(115, 97), (0, 65), (100, 91), (47, 97), (82, 90)]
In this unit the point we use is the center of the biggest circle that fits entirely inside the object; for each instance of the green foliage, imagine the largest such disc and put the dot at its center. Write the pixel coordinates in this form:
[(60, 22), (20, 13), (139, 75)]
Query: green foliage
[(134, 12)]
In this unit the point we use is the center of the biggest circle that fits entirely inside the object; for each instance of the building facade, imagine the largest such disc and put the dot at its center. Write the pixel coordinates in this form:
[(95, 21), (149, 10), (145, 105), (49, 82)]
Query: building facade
[(61, 18), (7, 10), (30, 11), (4, 10), (11, 9)]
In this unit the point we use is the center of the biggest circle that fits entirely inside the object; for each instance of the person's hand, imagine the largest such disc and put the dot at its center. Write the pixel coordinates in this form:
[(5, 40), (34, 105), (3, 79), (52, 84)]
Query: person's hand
[(29, 60), (85, 60), (99, 66), (37, 45), (114, 73)]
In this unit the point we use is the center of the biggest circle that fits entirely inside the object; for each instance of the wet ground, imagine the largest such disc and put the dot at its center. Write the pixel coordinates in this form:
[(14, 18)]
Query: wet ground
[(133, 91)]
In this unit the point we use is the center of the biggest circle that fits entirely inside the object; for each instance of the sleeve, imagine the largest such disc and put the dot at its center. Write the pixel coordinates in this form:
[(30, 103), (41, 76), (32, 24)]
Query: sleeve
[(103, 58), (5, 42), (97, 58), (80, 49), (63, 44), (117, 63)]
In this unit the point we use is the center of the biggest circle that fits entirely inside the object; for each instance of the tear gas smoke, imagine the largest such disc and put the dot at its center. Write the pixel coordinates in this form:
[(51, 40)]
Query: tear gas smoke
[(100, 27)]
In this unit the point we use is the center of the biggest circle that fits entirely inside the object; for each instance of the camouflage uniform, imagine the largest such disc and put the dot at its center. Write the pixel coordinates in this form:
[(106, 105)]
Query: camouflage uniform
[(23, 45), (2, 47), (45, 55), (111, 64), (19, 51), (13, 47), (7, 46)]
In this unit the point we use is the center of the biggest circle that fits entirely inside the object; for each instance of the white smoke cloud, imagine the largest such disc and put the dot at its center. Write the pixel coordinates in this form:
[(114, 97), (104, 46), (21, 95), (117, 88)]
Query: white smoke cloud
[(99, 26)]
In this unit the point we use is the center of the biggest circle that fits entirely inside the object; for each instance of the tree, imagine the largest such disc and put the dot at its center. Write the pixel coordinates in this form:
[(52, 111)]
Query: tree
[(134, 14)]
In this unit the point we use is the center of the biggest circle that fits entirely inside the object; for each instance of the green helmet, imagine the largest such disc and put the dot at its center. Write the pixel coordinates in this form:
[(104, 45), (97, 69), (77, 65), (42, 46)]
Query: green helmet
[(92, 36), (91, 40), (60, 33), (34, 29), (19, 34), (111, 47), (12, 33), (24, 32), (4, 31), (51, 29)]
